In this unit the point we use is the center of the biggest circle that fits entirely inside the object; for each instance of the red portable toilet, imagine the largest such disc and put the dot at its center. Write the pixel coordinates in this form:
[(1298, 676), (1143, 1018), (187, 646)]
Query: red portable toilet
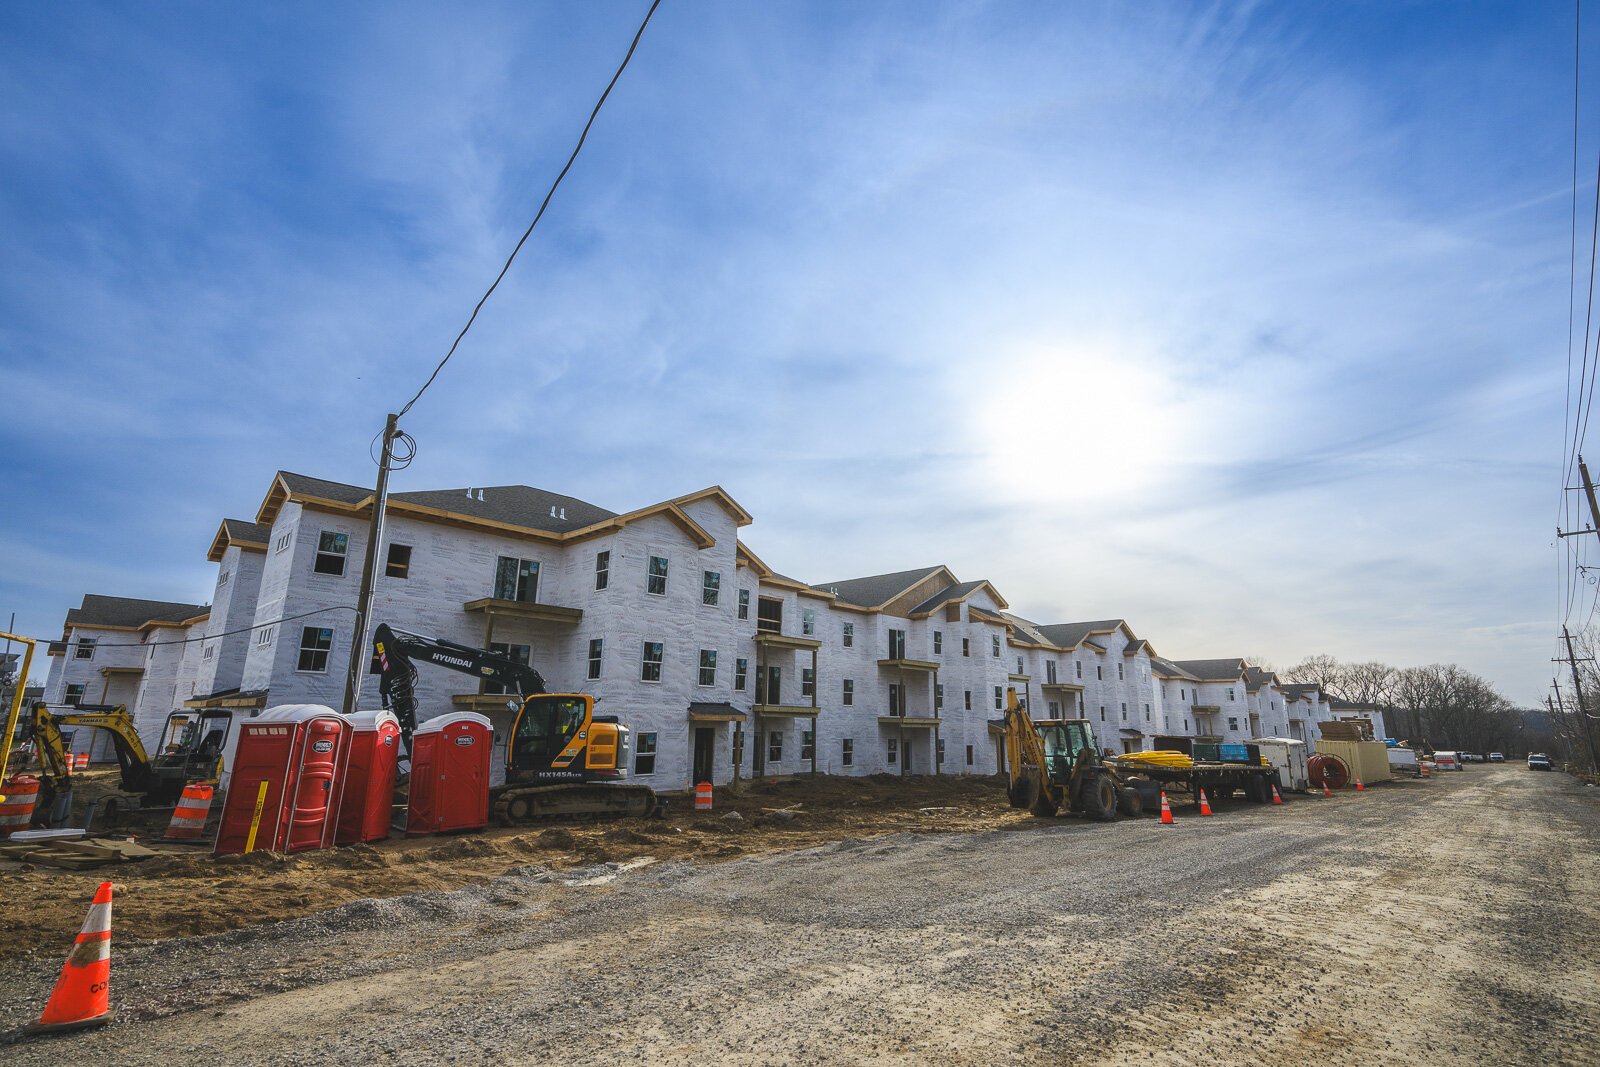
[(369, 782), (299, 752), (450, 774)]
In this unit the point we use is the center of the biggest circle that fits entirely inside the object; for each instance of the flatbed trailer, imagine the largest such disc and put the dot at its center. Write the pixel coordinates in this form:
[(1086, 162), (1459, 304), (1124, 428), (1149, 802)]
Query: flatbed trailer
[(1219, 780)]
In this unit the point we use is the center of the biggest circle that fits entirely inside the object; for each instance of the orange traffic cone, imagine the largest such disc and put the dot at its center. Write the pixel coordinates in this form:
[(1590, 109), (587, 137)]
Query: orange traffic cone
[(1166, 810), (82, 996), (1276, 798), (1325, 790), (1205, 808), (1359, 787)]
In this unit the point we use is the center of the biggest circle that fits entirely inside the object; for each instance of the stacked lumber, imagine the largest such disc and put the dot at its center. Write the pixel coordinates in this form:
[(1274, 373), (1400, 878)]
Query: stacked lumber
[(1344, 730), (77, 854)]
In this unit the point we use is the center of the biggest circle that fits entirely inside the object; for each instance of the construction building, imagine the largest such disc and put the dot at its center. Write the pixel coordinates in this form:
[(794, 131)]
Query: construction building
[(722, 666)]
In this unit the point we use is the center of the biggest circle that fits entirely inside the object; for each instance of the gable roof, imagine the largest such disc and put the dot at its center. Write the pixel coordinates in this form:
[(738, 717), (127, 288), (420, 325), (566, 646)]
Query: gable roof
[(238, 533), (877, 589), (514, 508), (127, 613), (1214, 670), (1165, 668), (1028, 629), (1302, 689), (956, 593), (1255, 678), (511, 505), (1073, 634)]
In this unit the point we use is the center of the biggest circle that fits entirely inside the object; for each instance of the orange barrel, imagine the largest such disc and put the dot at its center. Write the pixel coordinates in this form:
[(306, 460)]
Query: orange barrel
[(83, 761), (17, 811), (702, 797), (189, 817)]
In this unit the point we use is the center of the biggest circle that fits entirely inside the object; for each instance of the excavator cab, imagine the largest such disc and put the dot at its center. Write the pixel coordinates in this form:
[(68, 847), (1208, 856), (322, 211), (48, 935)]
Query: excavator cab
[(191, 746), (557, 737), (1063, 742)]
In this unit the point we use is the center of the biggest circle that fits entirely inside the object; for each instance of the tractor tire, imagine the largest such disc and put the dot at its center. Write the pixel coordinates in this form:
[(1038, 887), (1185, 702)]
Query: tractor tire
[(1130, 802), (1100, 798)]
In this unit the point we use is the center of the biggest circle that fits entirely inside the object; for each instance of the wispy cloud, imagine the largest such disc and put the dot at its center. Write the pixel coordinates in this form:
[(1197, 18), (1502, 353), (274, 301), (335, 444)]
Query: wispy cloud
[(1230, 320)]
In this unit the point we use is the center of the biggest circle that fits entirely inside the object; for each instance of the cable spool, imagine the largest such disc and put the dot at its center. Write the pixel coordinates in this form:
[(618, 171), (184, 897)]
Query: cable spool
[(1330, 769)]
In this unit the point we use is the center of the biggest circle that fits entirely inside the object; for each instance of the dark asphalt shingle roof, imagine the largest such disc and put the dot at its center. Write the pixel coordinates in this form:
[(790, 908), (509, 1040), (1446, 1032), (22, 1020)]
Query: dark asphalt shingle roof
[(1213, 670), (1070, 634), (515, 505), (1255, 678), (242, 530), (876, 589), (1028, 628), (125, 611), (954, 592), (1169, 669), (1300, 689), (304, 483)]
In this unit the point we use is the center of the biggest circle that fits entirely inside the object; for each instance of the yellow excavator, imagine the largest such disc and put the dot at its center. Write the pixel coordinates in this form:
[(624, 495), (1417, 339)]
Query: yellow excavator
[(561, 758), (1055, 766), (191, 751)]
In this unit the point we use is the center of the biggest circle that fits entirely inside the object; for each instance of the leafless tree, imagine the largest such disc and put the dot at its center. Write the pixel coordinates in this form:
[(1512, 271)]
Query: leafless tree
[(1323, 670)]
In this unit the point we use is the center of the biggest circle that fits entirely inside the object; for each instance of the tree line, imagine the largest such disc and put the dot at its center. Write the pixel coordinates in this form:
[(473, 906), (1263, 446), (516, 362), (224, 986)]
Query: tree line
[(1439, 706)]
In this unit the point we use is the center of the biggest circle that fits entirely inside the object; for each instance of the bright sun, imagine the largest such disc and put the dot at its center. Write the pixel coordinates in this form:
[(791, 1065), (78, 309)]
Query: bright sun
[(1084, 421)]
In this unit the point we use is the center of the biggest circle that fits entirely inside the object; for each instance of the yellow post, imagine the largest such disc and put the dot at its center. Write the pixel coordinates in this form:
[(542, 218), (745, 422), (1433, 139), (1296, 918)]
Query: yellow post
[(255, 819), (16, 701)]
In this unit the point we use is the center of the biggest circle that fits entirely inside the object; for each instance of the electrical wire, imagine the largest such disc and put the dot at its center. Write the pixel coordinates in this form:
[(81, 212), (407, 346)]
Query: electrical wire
[(227, 633), (398, 460), (546, 203), (1567, 426)]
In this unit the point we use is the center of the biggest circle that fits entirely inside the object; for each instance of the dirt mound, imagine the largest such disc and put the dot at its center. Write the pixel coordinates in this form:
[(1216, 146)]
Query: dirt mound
[(559, 838)]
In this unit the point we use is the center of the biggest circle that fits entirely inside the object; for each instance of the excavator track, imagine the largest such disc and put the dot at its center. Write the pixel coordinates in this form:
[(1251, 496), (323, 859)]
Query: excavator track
[(520, 804)]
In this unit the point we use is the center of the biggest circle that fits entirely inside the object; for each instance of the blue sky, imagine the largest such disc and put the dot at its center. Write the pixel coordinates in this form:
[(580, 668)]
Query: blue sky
[(1246, 323)]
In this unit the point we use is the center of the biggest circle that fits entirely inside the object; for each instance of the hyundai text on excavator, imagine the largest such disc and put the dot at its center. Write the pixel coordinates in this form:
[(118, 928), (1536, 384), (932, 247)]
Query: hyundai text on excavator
[(191, 751), (561, 758), (1055, 765)]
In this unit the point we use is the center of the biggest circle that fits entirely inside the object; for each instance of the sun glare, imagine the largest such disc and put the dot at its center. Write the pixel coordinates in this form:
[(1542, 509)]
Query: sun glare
[(1084, 422)]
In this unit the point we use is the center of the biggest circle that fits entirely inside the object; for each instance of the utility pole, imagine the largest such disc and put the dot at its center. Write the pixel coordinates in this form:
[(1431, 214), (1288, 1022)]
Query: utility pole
[(1583, 707), (369, 570), (1588, 491)]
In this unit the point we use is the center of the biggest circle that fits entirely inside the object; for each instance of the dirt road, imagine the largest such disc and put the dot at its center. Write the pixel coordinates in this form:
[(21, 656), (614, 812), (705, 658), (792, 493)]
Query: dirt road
[(1453, 921)]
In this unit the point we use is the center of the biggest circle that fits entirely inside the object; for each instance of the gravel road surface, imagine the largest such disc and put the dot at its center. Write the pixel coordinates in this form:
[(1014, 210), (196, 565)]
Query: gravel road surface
[(1442, 922)]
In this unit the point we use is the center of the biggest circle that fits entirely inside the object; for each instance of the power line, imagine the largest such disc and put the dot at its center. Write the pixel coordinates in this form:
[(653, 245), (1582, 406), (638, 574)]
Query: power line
[(226, 633), (1567, 427), (1586, 404), (546, 203)]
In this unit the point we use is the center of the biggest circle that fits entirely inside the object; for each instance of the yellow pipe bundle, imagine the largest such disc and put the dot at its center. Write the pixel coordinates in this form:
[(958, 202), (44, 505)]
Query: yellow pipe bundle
[(1160, 758)]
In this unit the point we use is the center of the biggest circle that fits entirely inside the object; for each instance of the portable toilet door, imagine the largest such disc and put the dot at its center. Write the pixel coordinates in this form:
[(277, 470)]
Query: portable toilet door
[(313, 805), (290, 761), (369, 782), (450, 756), (252, 806)]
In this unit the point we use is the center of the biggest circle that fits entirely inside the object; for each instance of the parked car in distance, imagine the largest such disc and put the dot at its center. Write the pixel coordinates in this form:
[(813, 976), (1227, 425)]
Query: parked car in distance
[(1538, 761), (1447, 761), (1497, 757)]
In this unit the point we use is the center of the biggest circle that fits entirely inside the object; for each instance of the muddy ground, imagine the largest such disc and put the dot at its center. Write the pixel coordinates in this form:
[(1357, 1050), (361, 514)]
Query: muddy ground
[(1455, 921), (186, 891)]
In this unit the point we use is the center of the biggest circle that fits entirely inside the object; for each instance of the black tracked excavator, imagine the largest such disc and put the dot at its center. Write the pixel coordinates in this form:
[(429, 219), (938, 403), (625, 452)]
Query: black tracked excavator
[(561, 758)]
